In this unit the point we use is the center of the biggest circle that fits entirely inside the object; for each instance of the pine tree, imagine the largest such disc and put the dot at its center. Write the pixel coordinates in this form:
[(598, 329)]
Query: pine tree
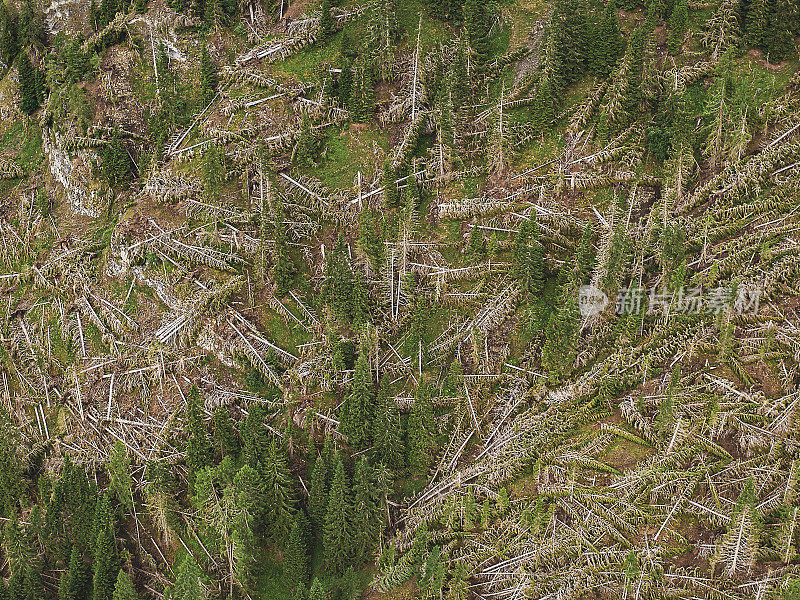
[(678, 22), (198, 446), (386, 428), (337, 540), (123, 589), (208, 76), (356, 412), (296, 564)]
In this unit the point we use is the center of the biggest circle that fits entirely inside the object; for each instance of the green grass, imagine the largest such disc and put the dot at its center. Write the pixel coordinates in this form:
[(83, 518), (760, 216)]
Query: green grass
[(345, 150)]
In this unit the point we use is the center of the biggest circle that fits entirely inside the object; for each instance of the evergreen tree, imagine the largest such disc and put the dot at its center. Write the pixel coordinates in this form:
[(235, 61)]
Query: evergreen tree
[(559, 350), (610, 42), (296, 564), (123, 589), (318, 493), (119, 476), (105, 563), (520, 250), (477, 245), (188, 581), (391, 195), (29, 97), (386, 428), (198, 446), (327, 25), (356, 412), (283, 268), (213, 172), (421, 430), (476, 23), (75, 580), (279, 495), (208, 76), (317, 592), (678, 23), (226, 441), (337, 539), (570, 27), (9, 44), (346, 84), (535, 275), (305, 151), (116, 162), (367, 511)]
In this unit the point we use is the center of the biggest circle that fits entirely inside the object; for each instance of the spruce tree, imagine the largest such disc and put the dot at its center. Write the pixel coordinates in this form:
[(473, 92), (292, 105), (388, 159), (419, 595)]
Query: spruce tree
[(119, 475), (226, 441), (367, 511), (305, 151), (535, 267), (477, 245), (476, 23), (678, 22), (337, 538), (279, 495), (318, 494), (391, 195), (317, 592), (198, 446), (74, 583), (296, 564), (9, 45), (29, 99), (188, 581), (105, 565), (116, 162), (356, 412), (208, 76), (421, 430), (386, 428), (327, 25), (611, 43), (123, 589), (520, 250), (283, 268)]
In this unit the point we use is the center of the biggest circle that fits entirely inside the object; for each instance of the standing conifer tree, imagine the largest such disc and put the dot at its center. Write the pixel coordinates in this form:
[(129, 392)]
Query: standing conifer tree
[(337, 540), (296, 565), (678, 22), (208, 76), (386, 428), (198, 446), (421, 430), (29, 98), (318, 494), (356, 412), (123, 589)]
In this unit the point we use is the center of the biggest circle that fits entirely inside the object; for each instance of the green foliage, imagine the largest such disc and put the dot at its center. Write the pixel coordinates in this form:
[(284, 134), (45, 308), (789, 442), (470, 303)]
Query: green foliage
[(208, 76), (296, 564), (678, 23), (327, 24), (318, 493), (421, 430), (214, 173), (123, 589), (226, 440), (116, 162), (356, 413), (386, 435), (307, 148), (188, 581), (338, 535), (198, 446), (119, 475), (29, 83)]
